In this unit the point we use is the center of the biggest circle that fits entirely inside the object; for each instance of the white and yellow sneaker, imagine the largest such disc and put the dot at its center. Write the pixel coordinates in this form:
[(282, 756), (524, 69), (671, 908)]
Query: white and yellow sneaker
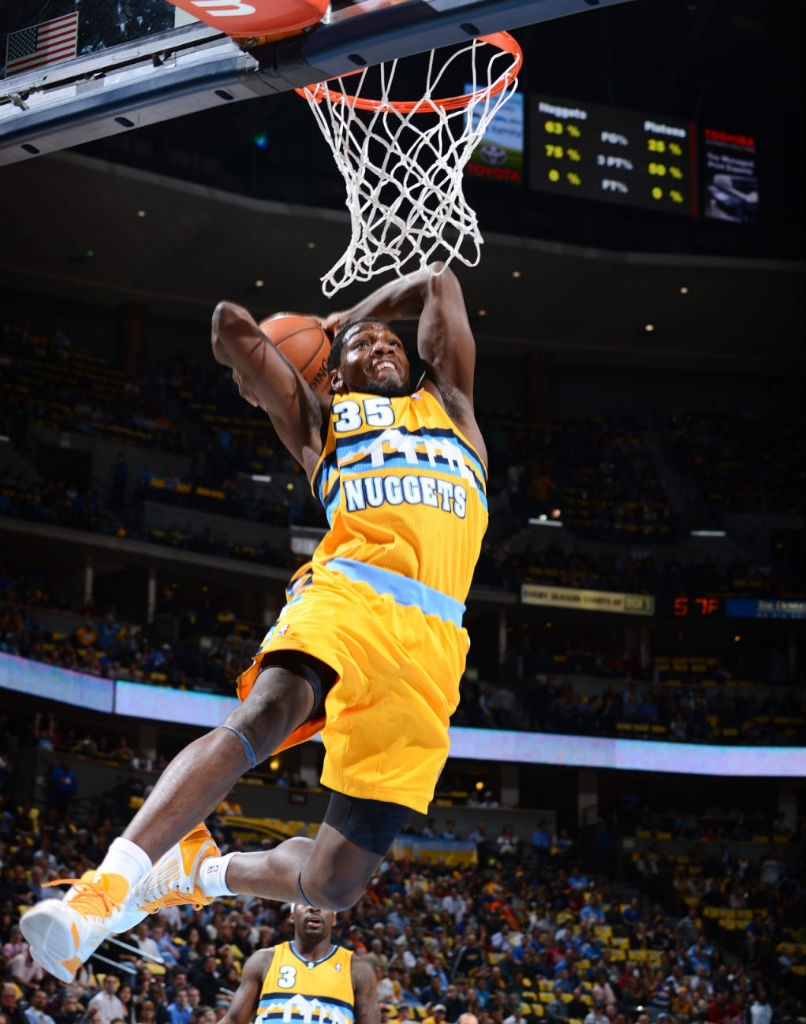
[(172, 880), (64, 933)]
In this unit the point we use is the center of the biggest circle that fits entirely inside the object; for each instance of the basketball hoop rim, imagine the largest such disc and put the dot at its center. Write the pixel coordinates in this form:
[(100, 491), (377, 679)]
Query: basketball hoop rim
[(502, 40)]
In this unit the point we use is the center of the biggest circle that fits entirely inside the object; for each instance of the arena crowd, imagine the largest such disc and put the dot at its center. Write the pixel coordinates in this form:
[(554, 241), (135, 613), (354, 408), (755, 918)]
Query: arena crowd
[(562, 689), (519, 932)]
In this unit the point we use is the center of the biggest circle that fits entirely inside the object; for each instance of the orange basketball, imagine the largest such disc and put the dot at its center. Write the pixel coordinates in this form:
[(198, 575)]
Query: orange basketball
[(304, 342)]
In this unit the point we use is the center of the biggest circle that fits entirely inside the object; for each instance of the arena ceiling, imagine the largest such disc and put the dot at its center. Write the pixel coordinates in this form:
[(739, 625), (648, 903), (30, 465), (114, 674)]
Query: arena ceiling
[(79, 228), (179, 246)]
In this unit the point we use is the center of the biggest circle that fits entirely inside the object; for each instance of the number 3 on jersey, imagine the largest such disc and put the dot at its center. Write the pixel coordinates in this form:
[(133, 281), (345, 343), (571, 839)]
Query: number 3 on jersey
[(377, 412), (288, 976)]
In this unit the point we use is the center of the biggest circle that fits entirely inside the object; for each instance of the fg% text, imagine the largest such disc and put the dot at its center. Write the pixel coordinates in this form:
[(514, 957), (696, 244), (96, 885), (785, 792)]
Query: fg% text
[(558, 128)]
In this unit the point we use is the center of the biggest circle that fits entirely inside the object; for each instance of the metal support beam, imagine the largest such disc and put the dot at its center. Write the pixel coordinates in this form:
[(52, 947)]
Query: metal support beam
[(195, 67)]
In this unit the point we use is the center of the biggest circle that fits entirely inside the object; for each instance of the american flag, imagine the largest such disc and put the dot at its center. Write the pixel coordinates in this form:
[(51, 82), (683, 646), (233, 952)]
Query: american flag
[(41, 44)]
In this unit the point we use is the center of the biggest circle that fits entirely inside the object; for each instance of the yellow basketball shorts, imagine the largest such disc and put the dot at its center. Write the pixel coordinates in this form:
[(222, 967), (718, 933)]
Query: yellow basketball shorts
[(398, 668)]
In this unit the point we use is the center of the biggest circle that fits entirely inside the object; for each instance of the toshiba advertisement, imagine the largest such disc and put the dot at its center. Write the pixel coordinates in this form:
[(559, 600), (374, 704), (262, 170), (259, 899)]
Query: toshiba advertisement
[(730, 184)]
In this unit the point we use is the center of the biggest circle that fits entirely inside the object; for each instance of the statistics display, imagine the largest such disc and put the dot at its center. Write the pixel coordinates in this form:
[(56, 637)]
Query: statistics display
[(621, 156)]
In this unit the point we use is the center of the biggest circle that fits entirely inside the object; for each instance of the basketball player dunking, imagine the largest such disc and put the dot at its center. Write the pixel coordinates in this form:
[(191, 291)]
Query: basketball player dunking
[(369, 648)]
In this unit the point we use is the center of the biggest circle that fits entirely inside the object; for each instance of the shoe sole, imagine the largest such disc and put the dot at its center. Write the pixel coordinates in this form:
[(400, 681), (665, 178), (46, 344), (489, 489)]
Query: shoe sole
[(51, 933)]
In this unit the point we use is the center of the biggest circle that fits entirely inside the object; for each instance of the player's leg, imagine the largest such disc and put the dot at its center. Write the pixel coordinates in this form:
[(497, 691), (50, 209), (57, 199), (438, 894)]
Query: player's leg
[(62, 934), (355, 835), (202, 774), (330, 871)]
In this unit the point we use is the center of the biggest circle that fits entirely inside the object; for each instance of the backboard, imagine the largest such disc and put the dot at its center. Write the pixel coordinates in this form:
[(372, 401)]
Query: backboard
[(195, 66)]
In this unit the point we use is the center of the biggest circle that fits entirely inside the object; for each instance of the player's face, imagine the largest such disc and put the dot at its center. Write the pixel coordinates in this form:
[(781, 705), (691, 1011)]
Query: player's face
[(312, 923), (373, 360)]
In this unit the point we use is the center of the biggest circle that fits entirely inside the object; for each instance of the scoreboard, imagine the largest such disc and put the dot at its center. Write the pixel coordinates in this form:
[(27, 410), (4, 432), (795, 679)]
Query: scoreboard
[(620, 156)]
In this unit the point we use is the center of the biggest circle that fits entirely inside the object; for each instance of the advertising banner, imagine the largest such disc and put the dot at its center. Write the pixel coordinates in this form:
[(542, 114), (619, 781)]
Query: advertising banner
[(730, 182), (763, 608), (499, 155), (587, 600)]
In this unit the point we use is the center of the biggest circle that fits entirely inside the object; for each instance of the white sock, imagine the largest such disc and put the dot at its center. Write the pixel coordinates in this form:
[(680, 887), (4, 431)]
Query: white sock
[(212, 876), (127, 859)]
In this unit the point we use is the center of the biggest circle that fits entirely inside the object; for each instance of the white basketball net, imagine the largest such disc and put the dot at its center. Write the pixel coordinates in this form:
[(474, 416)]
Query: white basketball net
[(403, 163)]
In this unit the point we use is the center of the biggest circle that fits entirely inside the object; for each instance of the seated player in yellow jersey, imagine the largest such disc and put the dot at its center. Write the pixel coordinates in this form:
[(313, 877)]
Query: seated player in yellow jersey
[(370, 646), (306, 979)]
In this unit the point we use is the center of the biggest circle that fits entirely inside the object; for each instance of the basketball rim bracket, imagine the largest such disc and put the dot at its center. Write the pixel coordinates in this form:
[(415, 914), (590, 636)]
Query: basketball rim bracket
[(197, 66)]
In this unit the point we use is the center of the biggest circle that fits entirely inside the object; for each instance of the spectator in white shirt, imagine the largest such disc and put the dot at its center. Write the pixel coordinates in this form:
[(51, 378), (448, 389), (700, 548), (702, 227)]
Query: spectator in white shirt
[(107, 1004), (24, 970), (597, 1015), (759, 1011), (145, 943)]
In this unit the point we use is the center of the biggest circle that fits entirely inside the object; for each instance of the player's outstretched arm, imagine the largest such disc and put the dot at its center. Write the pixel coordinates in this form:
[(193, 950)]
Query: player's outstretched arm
[(362, 975), (243, 1007), (444, 338), (268, 380), (401, 299), (447, 348)]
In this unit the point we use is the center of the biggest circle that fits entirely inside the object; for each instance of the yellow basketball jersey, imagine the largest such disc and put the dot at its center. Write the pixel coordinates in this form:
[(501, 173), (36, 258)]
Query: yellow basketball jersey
[(404, 492), (295, 989)]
